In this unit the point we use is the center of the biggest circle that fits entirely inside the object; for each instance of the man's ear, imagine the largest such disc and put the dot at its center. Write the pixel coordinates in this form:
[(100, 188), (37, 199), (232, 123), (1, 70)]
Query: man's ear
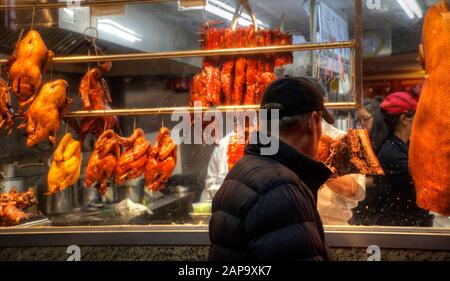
[(314, 121)]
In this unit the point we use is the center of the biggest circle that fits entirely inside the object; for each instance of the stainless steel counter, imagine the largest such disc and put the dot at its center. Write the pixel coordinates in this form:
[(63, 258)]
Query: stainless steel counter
[(346, 237)]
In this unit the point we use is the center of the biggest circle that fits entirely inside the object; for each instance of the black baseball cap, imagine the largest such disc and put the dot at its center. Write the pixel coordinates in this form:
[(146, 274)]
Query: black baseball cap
[(296, 96)]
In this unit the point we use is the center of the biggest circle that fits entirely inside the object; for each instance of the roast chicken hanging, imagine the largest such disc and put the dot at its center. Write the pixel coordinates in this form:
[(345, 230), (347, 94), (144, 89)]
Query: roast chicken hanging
[(94, 92), (429, 151), (162, 161), (6, 111), (26, 66), (13, 205), (349, 154), (103, 161), (43, 118), (66, 165), (133, 159)]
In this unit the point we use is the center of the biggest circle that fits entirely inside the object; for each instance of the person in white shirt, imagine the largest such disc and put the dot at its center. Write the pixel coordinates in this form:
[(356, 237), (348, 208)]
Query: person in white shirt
[(217, 169), (336, 198)]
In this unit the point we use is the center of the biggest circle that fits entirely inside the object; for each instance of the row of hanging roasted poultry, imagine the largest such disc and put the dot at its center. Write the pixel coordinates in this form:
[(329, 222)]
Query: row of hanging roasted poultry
[(44, 105), (115, 156), (240, 79)]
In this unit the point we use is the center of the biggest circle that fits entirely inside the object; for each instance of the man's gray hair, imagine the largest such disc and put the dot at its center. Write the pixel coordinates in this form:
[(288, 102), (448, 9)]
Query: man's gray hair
[(287, 123)]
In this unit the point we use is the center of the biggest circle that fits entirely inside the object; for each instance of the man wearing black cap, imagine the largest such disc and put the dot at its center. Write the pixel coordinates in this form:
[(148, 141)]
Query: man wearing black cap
[(266, 207)]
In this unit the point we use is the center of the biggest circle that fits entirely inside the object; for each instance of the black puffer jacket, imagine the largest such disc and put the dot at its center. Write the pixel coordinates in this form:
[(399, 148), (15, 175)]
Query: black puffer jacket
[(266, 209)]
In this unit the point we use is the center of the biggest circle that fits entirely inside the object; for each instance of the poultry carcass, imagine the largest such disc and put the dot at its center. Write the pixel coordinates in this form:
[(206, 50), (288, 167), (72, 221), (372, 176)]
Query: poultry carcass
[(162, 161), (429, 150), (94, 92), (132, 162), (227, 71), (6, 111), (66, 165), (282, 39), (252, 67), (42, 120), (12, 205), (239, 68), (29, 61), (349, 154), (103, 161), (212, 39), (266, 65)]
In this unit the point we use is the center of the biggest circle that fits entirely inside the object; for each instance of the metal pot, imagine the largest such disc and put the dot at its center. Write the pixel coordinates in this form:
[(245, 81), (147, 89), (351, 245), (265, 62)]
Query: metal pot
[(133, 190), (8, 183), (9, 170), (59, 203)]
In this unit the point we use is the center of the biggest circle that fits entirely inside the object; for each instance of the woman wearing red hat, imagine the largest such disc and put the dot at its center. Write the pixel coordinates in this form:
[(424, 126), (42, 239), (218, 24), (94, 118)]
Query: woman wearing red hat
[(392, 200)]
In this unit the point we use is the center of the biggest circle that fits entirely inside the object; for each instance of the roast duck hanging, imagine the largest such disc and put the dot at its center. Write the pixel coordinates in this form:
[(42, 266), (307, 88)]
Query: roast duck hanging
[(133, 159), (26, 66), (429, 151), (103, 161), (161, 162), (43, 118), (94, 93)]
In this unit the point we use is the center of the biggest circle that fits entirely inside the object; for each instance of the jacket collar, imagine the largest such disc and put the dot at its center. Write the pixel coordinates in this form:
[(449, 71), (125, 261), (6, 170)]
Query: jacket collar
[(313, 173)]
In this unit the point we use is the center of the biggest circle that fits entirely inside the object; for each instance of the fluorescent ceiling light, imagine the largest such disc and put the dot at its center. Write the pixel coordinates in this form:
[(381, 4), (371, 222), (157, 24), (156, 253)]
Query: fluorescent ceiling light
[(114, 28), (226, 15), (69, 12), (406, 8), (224, 11), (230, 9), (414, 7)]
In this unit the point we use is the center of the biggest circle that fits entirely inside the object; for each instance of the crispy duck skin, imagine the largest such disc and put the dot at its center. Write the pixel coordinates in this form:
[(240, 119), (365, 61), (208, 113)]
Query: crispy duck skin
[(266, 65), (43, 118), (26, 65), (162, 161), (133, 160), (198, 90), (226, 75), (212, 40), (429, 150), (252, 67), (349, 154), (213, 85), (240, 65), (12, 205), (206, 85), (66, 165), (94, 92), (103, 161), (6, 111), (282, 39)]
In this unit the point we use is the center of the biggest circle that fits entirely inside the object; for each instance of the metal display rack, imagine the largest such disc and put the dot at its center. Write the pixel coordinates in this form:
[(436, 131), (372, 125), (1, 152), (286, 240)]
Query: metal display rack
[(354, 46)]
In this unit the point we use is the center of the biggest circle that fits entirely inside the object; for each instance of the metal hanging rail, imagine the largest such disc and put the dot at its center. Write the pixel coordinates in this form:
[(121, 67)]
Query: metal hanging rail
[(81, 4), (204, 53), (170, 110)]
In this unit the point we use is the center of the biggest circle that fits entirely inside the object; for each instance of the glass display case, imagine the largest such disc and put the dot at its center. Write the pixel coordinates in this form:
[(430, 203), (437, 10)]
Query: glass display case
[(147, 56)]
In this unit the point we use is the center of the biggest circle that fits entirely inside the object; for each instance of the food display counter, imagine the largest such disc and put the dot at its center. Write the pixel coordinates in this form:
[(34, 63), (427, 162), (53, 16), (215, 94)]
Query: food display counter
[(112, 176)]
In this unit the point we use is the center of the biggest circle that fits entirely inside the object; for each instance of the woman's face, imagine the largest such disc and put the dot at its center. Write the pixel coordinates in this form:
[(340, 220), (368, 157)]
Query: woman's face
[(364, 120), (407, 124)]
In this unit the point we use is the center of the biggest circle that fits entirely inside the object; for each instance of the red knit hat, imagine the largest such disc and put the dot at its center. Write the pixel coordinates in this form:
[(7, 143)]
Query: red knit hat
[(399, 103)]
